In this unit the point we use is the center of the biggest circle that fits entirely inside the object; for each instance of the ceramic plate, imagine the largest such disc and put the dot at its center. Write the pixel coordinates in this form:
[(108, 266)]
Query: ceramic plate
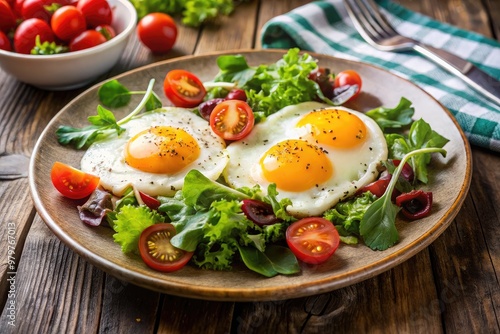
[(450, 179)]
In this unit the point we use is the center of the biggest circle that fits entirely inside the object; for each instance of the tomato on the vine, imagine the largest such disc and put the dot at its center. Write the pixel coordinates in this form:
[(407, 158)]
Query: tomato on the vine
[(96, 12), (232, 119), (157, 251), (348, 78), (68, 22), (71, 182), (312, 240), (183, 88), (26, 33), (157, 31), (85, 40)]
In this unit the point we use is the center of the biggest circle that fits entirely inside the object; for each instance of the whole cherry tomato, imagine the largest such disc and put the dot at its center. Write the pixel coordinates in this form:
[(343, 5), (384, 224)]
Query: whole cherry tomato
[(106, 30), (348, 78), (96, 12), (4, 42), (41, 9), (7, 17), (26, 33), (158, 32), (68, 22), (87, 39)]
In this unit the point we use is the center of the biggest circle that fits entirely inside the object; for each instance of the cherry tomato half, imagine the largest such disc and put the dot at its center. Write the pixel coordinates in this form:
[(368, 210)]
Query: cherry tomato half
[(157, 251), (313, 240), (232, 119), (85, 40), (183, 88), (26, 32), (158, 32), (348, 78), (96, 12), (72, 182), (68, 22)]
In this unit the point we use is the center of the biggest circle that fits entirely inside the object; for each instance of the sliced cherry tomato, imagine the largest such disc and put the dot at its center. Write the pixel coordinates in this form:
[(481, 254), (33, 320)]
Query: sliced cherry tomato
[(415, 204), (72, 182), (7, 17), (157, 251), (348, 78), (158, 32), (232, 119), (68, 22), (259, 212), (106, 30), (26, 32), (313, 240), (85, 40), (5, 42), (377, 187), (150, 201), (183, 88), (96, 12)]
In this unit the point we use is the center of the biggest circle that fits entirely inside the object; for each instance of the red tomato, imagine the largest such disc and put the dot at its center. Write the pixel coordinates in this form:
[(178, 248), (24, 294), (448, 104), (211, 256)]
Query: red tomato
[(41, 9), (183, 88), (26, 32), (87, 39), (313, 240), (158, 32), (7, 17), (68, 22), (4, 42), (348, 77), (72, 182), (157, 251), (96, 12), (106, 30), (232, 119), (149, 201)]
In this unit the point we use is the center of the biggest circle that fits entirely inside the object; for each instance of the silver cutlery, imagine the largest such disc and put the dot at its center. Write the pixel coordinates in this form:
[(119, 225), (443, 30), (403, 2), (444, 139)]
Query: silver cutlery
[(378, 32)]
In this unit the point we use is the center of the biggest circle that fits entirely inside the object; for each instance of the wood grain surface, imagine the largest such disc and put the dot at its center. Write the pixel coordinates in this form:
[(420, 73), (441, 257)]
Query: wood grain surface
[(449, 287)]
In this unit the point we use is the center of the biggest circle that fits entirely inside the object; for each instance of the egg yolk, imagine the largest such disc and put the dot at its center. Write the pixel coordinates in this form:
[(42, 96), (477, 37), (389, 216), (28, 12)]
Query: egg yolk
[(295, 165), (161, 149), (335, 128)]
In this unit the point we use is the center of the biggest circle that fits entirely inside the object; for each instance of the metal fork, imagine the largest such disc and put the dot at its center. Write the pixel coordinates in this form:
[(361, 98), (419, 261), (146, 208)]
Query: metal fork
[(377, 31)]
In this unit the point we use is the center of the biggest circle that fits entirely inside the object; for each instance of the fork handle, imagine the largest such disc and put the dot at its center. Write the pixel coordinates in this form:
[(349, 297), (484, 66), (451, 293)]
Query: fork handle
[(476, 78)]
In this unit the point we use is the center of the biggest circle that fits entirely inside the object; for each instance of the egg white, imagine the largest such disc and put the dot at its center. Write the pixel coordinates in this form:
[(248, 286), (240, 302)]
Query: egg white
[(353, 168), (106, 158)]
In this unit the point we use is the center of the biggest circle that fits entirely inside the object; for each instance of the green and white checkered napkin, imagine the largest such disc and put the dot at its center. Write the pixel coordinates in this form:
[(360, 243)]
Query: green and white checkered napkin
[(325, 27)]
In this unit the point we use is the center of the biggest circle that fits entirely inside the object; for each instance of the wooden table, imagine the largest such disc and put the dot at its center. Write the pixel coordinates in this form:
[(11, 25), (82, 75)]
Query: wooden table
[(452, 286)]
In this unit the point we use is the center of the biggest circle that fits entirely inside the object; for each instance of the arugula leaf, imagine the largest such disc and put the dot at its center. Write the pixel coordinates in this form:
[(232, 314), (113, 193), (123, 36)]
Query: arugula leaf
[(393, 118), (420, 136), (103, 124), (129, 224), (377, 227), (114, 94)]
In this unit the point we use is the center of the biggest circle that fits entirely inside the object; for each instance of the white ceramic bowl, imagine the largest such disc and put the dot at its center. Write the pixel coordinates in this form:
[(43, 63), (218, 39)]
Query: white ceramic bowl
[(74, 69)]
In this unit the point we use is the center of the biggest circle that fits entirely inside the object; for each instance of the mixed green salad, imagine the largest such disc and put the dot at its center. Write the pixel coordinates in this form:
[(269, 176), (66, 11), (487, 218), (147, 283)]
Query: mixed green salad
[(211, 225)]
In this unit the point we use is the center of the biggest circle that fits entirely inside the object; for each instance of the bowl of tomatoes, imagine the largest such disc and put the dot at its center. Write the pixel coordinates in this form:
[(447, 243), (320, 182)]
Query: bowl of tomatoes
[(63, 44)]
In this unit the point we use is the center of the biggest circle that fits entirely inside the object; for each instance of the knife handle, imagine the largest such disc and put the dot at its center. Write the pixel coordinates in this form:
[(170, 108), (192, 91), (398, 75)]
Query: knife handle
[(473, 76)]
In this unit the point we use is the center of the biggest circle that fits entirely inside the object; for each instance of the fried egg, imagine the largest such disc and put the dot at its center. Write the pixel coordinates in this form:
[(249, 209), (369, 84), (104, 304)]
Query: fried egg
[(316, 155), (155, 152)]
